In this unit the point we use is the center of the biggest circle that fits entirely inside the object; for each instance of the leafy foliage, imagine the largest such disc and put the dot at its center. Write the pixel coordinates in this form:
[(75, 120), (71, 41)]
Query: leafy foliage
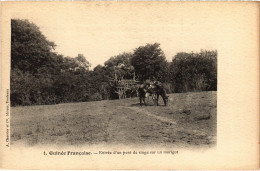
[(194, 71), (41, 76), (121, 66), (30, 49), (82, 62), (149, 62)]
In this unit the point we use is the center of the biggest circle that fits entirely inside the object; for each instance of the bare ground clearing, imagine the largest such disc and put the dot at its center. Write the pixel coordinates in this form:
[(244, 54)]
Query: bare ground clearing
[(189, 120)]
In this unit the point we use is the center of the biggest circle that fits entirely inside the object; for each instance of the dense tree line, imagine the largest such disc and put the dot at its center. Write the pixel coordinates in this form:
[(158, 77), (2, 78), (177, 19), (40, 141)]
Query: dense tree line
[(194, 71), (41, 76)]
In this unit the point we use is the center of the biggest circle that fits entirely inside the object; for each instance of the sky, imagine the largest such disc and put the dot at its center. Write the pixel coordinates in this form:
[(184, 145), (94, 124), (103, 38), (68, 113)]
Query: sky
[(100, 30)]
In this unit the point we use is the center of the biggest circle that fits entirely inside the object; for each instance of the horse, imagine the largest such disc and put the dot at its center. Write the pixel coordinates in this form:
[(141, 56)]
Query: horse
[(155, 89), (151, 92), (158, 90)]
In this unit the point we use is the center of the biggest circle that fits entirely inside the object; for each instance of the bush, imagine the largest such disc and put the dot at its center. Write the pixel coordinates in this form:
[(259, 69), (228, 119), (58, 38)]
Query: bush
[(96, 97)]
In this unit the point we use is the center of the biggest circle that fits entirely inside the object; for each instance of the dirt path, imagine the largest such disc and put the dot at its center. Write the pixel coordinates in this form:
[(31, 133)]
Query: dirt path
[(136, 126), (142, 111)]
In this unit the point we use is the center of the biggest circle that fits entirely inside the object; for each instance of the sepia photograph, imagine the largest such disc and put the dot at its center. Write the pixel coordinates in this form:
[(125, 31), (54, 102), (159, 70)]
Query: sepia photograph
[(137, 97), (117, 78)]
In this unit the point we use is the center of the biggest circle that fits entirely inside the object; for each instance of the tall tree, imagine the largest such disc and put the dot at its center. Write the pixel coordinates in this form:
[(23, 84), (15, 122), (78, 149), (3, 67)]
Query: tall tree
[(121, 65), (194, 71), (149, 62), (83, 62), (30, 49)]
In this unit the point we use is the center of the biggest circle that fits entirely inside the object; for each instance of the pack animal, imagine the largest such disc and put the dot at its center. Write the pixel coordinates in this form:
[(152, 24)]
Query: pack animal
[(155, 90), (158, 90)]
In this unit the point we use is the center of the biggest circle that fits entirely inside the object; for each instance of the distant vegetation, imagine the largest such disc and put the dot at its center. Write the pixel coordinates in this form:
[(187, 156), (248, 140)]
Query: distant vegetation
[(41, 76)]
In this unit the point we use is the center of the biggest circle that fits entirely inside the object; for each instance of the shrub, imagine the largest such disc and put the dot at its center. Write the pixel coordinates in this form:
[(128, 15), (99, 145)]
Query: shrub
[(96, 97)]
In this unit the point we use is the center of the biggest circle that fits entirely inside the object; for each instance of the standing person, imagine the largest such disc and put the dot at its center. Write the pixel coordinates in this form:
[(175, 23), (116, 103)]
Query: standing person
[(141, 93)]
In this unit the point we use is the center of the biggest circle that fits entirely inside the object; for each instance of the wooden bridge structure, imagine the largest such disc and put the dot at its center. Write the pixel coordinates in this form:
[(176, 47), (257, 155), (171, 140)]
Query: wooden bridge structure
[(123, 85)]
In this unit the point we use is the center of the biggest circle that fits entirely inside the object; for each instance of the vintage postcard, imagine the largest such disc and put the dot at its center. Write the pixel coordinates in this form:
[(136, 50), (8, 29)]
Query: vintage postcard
[(129, 85)]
